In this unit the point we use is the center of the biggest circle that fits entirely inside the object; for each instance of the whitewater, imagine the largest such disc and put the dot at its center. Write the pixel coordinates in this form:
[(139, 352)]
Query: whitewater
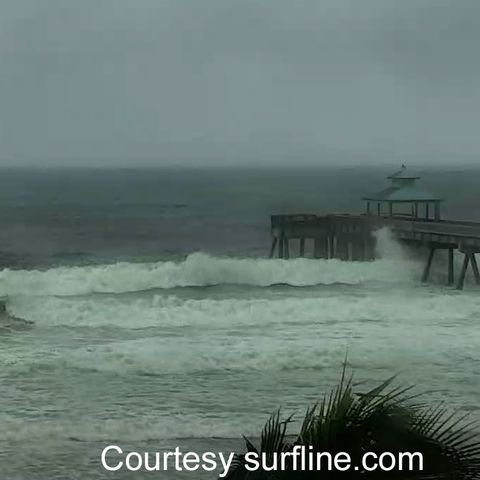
[(198, 351)]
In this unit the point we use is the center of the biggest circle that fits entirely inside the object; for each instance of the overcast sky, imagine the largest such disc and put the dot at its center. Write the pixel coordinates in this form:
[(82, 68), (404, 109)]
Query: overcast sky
[(238, 81)]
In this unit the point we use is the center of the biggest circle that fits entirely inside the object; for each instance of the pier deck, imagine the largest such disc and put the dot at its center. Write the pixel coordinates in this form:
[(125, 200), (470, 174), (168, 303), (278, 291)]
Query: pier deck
[(351, 237)]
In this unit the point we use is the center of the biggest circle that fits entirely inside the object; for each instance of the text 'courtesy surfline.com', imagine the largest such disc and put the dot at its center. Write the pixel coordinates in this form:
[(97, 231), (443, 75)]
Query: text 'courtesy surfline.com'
[(301, 458)]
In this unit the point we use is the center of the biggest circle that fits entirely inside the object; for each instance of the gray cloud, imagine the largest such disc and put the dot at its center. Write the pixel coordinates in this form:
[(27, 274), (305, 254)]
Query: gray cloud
[(234, 81)]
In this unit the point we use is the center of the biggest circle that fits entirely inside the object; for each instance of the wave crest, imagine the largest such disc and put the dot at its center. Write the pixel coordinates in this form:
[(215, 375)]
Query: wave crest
[(200, 270)]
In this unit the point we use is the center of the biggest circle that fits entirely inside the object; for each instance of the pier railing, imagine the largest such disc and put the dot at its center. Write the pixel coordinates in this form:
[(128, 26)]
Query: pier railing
[(309, 226)]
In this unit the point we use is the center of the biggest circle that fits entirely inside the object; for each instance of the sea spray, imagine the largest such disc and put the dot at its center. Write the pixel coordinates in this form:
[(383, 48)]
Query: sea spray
[(388, 247)]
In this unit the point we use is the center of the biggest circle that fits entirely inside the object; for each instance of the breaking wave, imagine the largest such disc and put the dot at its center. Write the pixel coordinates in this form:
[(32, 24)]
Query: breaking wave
[(200, 270)]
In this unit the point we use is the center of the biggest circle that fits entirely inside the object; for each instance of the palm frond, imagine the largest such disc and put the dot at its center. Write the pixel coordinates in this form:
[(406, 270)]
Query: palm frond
[(384, 419)]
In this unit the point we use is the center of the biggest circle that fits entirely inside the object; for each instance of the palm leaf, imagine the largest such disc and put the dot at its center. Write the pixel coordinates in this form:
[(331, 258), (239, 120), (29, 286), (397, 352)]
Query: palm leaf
[(384, 419)]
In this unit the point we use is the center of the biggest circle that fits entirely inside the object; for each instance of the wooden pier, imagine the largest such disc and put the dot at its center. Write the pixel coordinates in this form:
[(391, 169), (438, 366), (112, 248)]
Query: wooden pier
[(352, 237), (412, 214)]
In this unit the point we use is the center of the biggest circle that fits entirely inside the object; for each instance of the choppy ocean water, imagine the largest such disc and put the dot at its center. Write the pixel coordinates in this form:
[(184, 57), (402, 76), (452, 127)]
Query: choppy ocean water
[(158, 320)]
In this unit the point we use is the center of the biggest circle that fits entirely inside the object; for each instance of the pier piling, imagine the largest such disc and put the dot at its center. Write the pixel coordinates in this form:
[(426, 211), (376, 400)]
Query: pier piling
[(451, 276), (280, 247), (272, 249), (320, 247), (302, 247), (286, 248), (428, 266), (476, 274), (463, 272)]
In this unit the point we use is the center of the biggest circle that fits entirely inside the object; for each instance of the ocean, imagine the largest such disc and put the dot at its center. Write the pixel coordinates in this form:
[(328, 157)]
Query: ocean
[(158, 320)]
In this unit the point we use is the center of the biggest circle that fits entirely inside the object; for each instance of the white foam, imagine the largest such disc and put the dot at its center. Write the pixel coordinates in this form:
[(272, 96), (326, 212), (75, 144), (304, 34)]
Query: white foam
[(172, 311), (255, 334), (200, 269)]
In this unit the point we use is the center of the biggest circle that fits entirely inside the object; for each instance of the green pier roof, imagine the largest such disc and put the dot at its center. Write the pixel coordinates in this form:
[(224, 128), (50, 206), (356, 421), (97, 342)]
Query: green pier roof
[(403, 188)]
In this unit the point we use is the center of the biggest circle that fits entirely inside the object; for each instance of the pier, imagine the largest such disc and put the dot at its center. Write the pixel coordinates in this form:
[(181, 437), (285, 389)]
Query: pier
[(413, 216)]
